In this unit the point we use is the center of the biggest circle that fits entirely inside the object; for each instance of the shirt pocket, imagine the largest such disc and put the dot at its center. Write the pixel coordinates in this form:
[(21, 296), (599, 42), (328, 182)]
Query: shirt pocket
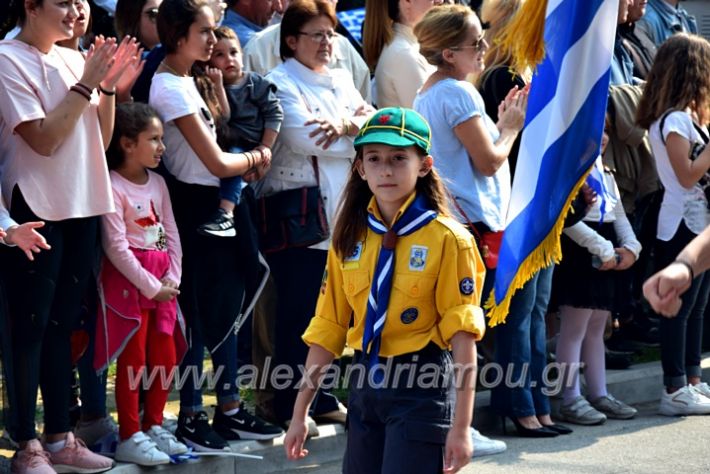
[(355, 284), (412, 300)]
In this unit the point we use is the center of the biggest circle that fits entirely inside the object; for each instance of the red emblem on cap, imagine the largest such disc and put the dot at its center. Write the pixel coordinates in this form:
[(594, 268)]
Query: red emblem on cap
[(384, 118)]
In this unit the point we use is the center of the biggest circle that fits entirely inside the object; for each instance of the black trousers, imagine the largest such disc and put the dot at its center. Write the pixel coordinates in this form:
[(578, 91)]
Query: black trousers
[(297, 275), (44, 302), (681, 337)]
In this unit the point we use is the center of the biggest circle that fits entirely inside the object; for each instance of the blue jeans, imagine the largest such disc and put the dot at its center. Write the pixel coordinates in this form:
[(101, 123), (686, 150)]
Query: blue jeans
[(521, 351), (224, 358), (230, 189)]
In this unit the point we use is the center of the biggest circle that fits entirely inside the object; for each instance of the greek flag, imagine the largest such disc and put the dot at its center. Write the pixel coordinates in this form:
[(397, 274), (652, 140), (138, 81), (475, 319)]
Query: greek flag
[(561, 139)]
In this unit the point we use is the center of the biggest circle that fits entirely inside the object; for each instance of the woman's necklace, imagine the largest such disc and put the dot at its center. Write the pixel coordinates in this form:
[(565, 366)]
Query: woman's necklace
[(173, 71)]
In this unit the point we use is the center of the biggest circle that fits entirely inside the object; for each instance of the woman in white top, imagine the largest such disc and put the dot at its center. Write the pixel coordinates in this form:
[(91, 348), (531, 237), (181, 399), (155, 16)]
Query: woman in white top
[(392, 50), (674, 109), (54, 126), (213, 288), (322, 114)]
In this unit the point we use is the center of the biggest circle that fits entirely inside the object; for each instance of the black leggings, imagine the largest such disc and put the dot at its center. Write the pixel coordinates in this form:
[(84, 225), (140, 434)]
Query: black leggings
[(44, 301)]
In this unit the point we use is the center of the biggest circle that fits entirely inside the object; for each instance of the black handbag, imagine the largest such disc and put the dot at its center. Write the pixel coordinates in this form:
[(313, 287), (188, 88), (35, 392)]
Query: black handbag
[(292, 219)]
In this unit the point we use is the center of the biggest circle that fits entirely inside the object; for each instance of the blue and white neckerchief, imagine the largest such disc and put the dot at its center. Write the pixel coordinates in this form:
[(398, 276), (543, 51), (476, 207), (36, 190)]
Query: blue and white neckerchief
[(417, 215)]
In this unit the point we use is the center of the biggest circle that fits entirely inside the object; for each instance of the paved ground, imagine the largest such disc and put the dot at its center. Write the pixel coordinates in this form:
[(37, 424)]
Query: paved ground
[(647, 444)]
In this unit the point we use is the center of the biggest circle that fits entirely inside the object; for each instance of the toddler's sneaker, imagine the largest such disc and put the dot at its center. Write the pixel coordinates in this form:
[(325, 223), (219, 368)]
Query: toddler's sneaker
[(76, 457), (613, 408), (581, 412), (485, 446), (100, 436), (140, 449), (684, 401), (166, 441), (31, 460), (243, 425), (195, 431), (220, 225)]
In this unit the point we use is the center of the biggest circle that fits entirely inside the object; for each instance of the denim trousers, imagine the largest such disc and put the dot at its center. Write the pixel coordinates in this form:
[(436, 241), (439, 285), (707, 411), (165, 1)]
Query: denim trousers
[(521, 351)]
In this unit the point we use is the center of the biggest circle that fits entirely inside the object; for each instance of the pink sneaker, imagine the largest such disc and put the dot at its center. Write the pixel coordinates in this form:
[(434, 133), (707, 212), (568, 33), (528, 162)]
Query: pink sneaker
[(76, 457), (32, 460)]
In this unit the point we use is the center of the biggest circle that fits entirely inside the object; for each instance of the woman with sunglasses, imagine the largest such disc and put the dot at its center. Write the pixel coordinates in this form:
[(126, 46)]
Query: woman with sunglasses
[(322, 114), (470, 149), (136, 18)]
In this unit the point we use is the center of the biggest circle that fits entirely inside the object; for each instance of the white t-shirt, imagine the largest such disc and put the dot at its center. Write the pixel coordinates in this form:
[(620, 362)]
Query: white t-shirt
[(74, 181), (679, 203), (174, 97)]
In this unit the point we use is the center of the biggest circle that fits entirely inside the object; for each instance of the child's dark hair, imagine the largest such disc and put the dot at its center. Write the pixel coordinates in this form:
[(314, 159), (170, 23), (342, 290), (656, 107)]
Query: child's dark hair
[(132, 118), (351, 223), (679, 78)]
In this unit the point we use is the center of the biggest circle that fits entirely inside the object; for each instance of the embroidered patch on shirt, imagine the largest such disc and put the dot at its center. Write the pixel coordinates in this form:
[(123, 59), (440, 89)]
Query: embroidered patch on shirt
[(352, 261), (417, 258), (466, 286), (409, 315)]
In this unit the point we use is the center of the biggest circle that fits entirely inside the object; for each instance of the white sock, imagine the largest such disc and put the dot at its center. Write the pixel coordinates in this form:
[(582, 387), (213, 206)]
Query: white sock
[(56, 447), (232, 412)]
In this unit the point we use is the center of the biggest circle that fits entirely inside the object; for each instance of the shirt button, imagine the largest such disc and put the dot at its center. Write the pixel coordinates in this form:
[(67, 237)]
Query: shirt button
[(351, 287), (415, 291)]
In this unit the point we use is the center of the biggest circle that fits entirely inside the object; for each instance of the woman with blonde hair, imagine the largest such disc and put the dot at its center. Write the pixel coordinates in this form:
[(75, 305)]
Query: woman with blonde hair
[(392, 51), (521, 341)]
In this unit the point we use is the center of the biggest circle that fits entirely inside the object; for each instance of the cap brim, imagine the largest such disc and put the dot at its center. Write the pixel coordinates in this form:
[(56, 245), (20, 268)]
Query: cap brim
[(385, 138)]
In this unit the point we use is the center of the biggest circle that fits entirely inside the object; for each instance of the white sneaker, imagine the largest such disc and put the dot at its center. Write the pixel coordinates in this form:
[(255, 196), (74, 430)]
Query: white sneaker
[(702, 388), (140, 449), (166, 441), (484, 446), (684, 401)]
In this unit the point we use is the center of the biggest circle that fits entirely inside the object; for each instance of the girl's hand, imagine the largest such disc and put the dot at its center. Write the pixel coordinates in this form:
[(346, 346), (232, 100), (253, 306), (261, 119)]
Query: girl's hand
[(169, 283), (126, 56), (328, 130), (609, 264), (295, 437), (511, 112), (627, 258), (166, 293), (27, 238), (458, 450), (99, 60)]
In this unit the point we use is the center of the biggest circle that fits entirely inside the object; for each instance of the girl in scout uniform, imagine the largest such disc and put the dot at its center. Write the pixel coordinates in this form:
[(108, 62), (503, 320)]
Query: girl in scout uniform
[(401, 287)]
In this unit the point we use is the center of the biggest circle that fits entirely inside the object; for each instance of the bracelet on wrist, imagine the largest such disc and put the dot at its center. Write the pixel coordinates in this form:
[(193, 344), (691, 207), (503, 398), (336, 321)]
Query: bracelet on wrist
[(686, 265), (82, 92), (87, 89), (107, 92)]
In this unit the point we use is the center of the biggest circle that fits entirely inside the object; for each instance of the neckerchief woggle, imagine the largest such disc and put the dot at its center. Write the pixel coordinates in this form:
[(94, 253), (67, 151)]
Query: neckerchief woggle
[(416, 216)]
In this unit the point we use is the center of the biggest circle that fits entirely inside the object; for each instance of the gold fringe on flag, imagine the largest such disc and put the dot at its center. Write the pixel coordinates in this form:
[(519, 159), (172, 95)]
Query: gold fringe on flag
[(547, 253), (525, 35)]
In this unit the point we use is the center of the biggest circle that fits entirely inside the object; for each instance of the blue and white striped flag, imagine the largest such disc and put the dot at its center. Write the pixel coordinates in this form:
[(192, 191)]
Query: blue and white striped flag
[(561, 139)]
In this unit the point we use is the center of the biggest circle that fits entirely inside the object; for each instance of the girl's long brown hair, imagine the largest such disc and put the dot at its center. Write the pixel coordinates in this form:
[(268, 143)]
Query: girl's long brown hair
[(378, 29), (679, 79), (351, 223)]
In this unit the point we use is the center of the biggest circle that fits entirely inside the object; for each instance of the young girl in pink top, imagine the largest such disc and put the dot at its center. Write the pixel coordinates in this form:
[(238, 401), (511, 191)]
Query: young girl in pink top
[(139, 282)]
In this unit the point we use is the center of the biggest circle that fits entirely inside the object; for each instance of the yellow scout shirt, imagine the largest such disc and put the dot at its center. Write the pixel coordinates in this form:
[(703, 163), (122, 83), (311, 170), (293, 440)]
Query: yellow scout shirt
[(438, 277)]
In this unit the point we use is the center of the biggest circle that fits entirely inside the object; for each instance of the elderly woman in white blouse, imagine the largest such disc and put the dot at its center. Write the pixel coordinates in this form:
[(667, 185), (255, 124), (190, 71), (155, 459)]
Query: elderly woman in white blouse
[(322, 114)]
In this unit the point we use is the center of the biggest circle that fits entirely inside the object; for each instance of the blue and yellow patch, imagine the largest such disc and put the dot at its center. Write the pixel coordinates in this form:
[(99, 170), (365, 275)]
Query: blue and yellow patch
[(466, 286), (409, 315)]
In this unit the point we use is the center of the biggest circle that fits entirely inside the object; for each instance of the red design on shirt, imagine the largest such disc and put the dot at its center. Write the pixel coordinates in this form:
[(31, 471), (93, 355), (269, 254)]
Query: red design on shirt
[(152, 218)]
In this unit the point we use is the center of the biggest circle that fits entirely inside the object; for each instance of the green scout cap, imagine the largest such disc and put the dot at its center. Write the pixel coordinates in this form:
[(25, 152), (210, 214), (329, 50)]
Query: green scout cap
[(396, 126)]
